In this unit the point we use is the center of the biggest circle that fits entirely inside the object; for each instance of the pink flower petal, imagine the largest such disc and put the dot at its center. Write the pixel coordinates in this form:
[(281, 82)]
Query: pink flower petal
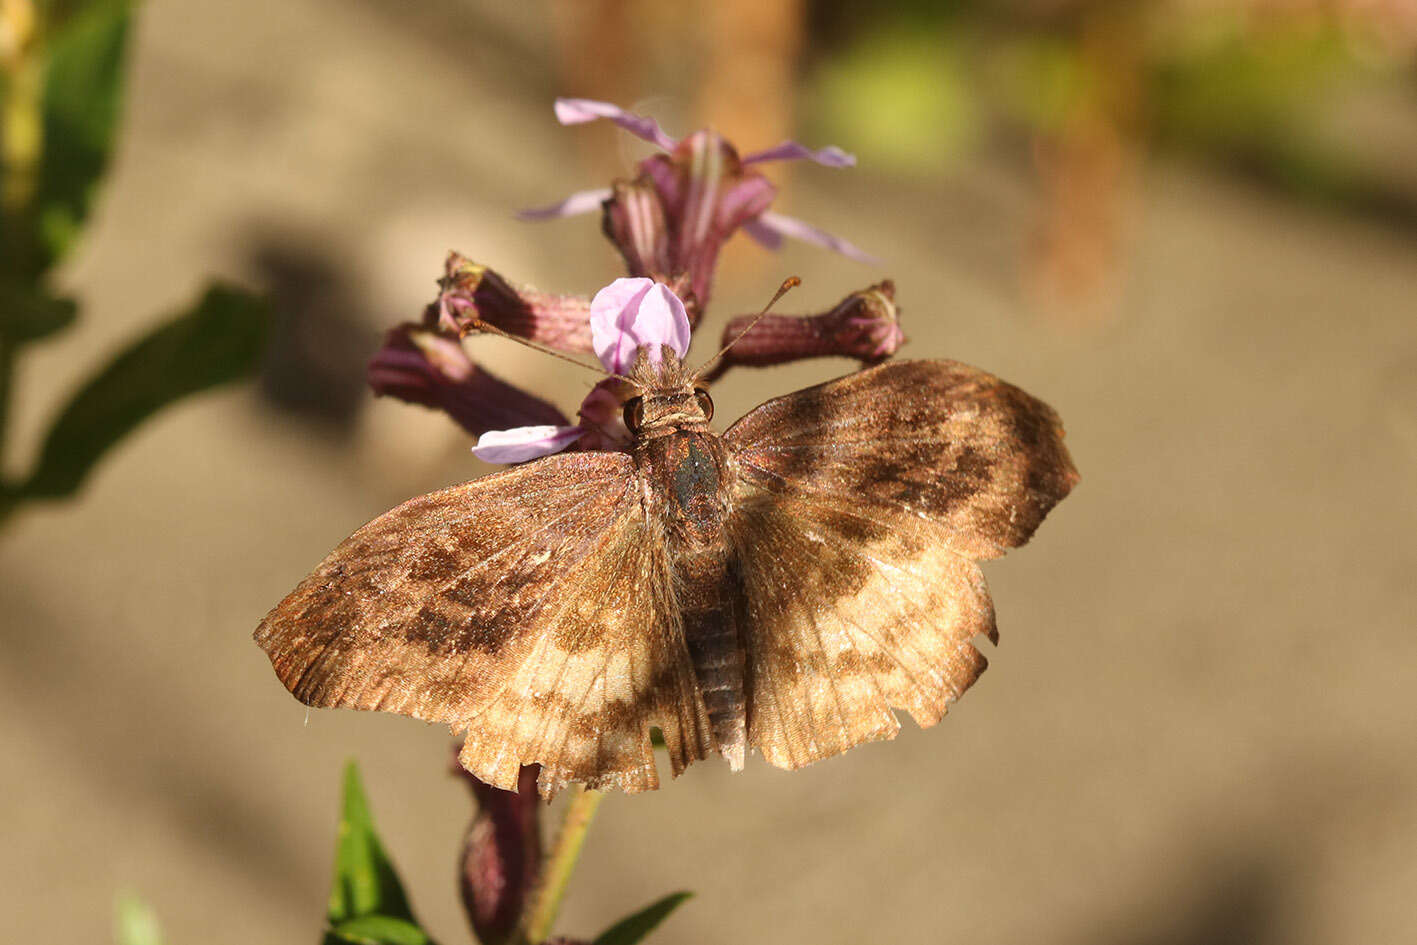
[(607, 311), (764, 235), (830, 156), (629, 314), (663, 321), (582, 201), (576, 111), (520, 444), (780, 225)]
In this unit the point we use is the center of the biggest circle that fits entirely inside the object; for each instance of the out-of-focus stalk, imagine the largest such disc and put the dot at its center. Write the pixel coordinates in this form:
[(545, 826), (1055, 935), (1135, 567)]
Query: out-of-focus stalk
[(21, 138), (546, 902), (21, 131), (7, 376)]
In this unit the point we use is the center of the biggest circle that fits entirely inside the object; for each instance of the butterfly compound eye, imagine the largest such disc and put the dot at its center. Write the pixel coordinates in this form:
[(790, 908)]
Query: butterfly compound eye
[(634, 413), (705, 402)]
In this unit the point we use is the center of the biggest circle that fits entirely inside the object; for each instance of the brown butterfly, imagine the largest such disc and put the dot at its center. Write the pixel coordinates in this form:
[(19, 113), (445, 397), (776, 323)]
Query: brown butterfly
[(783, 586)]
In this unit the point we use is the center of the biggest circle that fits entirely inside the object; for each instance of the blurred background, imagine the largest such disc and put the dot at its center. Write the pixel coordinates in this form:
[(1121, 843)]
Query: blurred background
[(1189, 225)]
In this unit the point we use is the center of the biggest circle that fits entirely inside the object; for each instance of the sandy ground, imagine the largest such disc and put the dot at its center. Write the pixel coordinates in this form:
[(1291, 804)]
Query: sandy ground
[(1199, 727)]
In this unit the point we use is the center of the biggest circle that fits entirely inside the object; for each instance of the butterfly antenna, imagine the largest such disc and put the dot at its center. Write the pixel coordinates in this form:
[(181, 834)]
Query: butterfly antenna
[(791, 282), (479, 325)]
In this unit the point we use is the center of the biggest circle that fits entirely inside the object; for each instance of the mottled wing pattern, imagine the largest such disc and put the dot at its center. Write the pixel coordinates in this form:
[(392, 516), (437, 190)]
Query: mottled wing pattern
[(861, 506), (532, 608), (849, 615)]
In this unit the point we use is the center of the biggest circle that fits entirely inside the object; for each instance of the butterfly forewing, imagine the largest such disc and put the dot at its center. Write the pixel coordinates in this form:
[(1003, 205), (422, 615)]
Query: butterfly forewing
[(860, 506), (934, 441), (532, 608)]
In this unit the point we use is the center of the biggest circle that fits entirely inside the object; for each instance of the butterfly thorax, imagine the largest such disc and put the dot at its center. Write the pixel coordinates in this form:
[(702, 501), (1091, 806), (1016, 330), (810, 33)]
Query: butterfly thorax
[(671, 412), (684, 464)]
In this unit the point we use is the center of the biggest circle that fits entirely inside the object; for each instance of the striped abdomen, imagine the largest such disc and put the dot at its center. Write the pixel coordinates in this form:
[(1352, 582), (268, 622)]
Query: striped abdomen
[(715, 647), (689, 472)]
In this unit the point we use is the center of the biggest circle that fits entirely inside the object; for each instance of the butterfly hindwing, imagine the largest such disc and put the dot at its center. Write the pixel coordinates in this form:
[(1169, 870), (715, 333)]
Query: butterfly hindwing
[(861, 505), (532, 608), (845, 618)]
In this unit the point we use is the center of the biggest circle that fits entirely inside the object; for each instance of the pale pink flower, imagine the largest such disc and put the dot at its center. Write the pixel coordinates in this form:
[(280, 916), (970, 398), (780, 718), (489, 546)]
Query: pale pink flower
[(670, 221), (625, 316)]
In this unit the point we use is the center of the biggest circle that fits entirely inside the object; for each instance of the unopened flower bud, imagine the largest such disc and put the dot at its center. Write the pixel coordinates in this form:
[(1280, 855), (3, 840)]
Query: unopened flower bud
[(634, 222), (501, 858), (470, 292), (421, 366), (865, 325)]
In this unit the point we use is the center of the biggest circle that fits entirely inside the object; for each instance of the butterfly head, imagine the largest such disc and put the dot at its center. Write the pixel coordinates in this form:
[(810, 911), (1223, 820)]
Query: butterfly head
[(665, 396)]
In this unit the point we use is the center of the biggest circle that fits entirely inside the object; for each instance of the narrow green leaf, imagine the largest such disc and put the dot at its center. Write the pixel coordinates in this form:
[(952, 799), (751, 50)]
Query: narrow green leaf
[(219, 341), (28, 314), (135, 923), (365, 883), (377, 930), (634, 928), (82, 99)]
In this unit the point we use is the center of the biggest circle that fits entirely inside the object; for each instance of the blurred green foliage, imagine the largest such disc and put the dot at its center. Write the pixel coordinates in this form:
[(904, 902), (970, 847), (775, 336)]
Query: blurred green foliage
[(71, 76), (135, 923), (83, 90), (900, 97), (61, 92), (1252, 87), (217, 341)]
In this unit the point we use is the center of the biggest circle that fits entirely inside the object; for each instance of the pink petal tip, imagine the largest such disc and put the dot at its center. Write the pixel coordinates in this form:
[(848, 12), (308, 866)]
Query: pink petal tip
[(520, 444), (830, 156), (775, 225), (582, 201), (576, 111)]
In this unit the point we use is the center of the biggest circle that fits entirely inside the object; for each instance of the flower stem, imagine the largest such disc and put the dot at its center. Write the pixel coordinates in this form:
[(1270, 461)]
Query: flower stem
[(546, 902)]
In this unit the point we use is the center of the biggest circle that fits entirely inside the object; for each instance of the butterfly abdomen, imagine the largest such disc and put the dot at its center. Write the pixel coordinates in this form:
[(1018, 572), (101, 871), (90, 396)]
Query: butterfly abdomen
[(716, 648), (692, 478)]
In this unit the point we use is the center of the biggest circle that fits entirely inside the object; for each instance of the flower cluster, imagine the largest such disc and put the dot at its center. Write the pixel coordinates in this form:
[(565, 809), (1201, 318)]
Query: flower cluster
[(668, 224)]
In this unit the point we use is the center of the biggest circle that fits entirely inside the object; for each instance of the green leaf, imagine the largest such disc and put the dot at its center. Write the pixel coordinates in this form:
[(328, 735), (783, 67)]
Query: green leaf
[(365, 882), (135, 923), (634, 928), (377, 930), (82, 98), (219, 341), (28, 314)]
